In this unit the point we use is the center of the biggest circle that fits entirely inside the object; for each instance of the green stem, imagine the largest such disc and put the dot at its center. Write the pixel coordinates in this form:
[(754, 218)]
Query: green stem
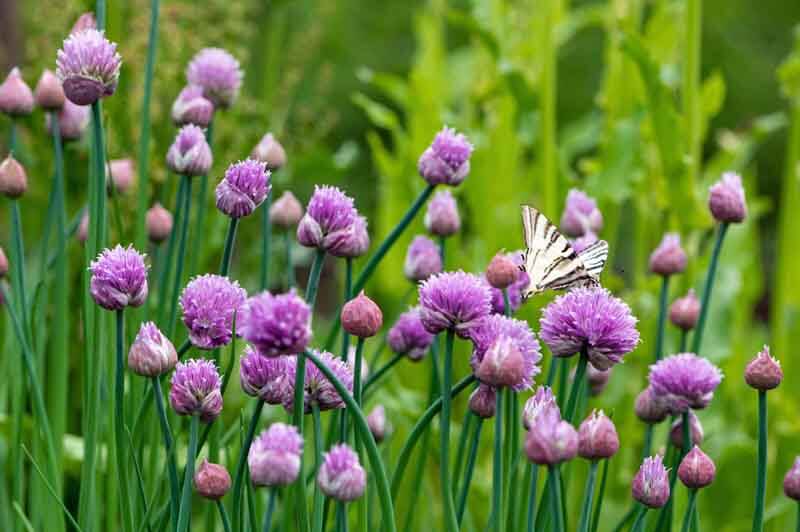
[(497, 466), (287, 244), (273, 492), (556, 498), (172, 469), (384, 494), (188, 476), (313, 278), (588, 496), (602, 491), (318, 499), (227, 253), (184, 231), (466, 430), (686, 434), (121, 445), (705, 302), (641, 518), (577, 385), (690, 508), (298, 407), (223, 516), (534, 480), (470, 468), (451, 525), (662, 317), (684, 338), (761, 478), (648, 440), (238, 478), (797, 527), (169, 256), (266, 241), (18, 266)]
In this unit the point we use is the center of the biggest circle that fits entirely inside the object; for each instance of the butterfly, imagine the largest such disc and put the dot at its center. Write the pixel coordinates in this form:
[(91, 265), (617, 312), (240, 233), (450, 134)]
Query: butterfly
[(550, 260)]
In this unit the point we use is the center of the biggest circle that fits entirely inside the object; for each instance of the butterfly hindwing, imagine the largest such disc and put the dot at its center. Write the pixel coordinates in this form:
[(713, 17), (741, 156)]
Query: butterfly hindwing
[(594, 257)]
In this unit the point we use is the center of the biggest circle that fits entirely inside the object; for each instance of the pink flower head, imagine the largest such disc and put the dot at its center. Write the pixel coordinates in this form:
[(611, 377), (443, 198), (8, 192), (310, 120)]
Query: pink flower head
[(669, 257), (341, 476), (446, 160), (651, 484), (190, 154), (274, 457), (455, 301), (351, 243), (328, 218), (684, 381), (408, 336), (245, 186), (191, 107), (276, 325), (209, 303), (16, 98), (581, 214), (151, 354), (318, 389), (542, 400), (268, 378), (550, 440), (441, 218), (496, 339), (422, 259), (119, 278), (726, 199), (218, 73), (88, 66), (195, 390)]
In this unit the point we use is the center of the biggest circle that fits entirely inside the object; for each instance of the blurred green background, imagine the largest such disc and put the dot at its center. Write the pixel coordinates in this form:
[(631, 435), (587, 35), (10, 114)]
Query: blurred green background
[(554, 95)]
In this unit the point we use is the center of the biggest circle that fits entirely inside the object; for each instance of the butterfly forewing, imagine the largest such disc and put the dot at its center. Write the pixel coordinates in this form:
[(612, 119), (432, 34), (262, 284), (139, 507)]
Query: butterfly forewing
[(594, 257)]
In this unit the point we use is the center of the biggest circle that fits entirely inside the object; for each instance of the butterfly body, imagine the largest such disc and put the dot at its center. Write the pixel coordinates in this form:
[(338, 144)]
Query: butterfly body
[(550, 260)]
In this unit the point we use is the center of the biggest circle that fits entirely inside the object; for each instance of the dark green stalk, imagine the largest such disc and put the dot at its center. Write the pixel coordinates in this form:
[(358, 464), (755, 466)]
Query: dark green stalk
[(451, 525), (166, 270), (348, 287), (498, 523), (470, 468), (684, 338), (641, 519), (313, 278), (662, 317), (697, 339), (563, 378), (184, 231), (556, 498), (172, 469), (761, 478), (238, 478), (227, 253), (298, 406), (287, 243), (690, 508), (18, 267), (266, 241), (588, 496), (121, 449), (462, 448), (318, 499), (199, 234), (223, 516), (577, 384), (602, 491), (534, 480), (375, 377), (270, 509), (186, 497)]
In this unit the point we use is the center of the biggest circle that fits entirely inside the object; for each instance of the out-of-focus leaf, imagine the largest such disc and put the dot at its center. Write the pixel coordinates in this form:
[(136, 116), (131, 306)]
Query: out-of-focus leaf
[(393, 86), (712, 98), (615, 181), (379, 114), (579, 19), (466, 22)]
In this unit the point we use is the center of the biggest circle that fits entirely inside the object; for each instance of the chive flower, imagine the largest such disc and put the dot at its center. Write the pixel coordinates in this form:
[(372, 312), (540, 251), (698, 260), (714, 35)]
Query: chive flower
[(267, 378), (669, 257), (88, 66), (190, 154), (329, 215), (119, 278), (245, 186), (422, 259), (274, 456), (151, 353), (16, 98), (446, 160), (684, 381), (581, 214), (651, 483), (195, 390), (454, 301), (191, 107), (318, 389), (726, 199), (276, 324), (441, 217), (73, 121), (218, 73), (340, 475), (270, 152), (505, 352), (409, 337), (208, 304)]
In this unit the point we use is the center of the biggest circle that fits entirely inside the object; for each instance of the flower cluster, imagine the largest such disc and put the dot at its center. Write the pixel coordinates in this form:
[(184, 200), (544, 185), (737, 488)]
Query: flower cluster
[(209, 303), (684, 381)]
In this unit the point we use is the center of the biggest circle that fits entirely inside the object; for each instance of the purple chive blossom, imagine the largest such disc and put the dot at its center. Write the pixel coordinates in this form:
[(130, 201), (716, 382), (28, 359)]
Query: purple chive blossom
[(441, 218), (276, 325), (195, 390), (191, 107), (584, 241), (542, 400), (73, 120), (328, 218), (669, 257), (151, 354), (190, 154), (581, 214), (16, 98), (218, 73), (209, 303), (274, 457), (590, 320), (550, 440), (597, 437), (85, 21), (158, 222), (649, 407), (244, 187), (352, 243), (454, 301), (446, 160), (494, 332), (119, 278), (341, 476), (318, 389), (409, 337), (422, 259), (791, 482), (726, 199), (268, 378), (88, 66), (378, 426), (684, 381), (651, 483), (515, 289), (483, 401)]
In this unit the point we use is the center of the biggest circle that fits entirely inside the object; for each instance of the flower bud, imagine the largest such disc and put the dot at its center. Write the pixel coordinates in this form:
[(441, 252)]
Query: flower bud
[(597, 379), (361, 317), (376, 420), (422, 259), (669, 257), (651, 483), (212, 481), (695, 431), (551, 440), (649, 408), (446, 161), (159, 223), (190, 154), (684, 311), (83, 228), (763, 372), (269, 151), (85, 22), (697, 470), (151, 354), (791, 482), (286, 211), (13, 179), (726, 199), (191, 107), (502, 272), (597, 437), (542, 400), (502, 364), (120, 175), (243, 189), (581, 214), (48, 92), (483, 401), (73, 120), (3, 264), (352, 242), (442, 218), (16, 98), (341, 476)]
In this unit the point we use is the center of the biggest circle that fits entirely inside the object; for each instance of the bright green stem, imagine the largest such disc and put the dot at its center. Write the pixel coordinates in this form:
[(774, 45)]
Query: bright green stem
[(318, 499), (266, 241), (143, 163), (419, 429), (227, 253), (602, 491), (120, 441), (662, 318), (238, 478), (188, 476), (298, 406), (172, 469), (273, 492), (684, 338), (534, 480), (287, 244), (761, 477), (180, 258), (797, 527), (577, 384), (690, 509), (470, 469), (313, 278), (360, 421), (380, 372), (357, 389), (498, 522), (223, 516), (588, 497), (451, 525), (641, 518), (706, 300), (556, 499), (18, 266)]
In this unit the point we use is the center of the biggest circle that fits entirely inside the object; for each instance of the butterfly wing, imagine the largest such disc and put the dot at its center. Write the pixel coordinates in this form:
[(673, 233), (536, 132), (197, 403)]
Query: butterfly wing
[(594, 257)]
